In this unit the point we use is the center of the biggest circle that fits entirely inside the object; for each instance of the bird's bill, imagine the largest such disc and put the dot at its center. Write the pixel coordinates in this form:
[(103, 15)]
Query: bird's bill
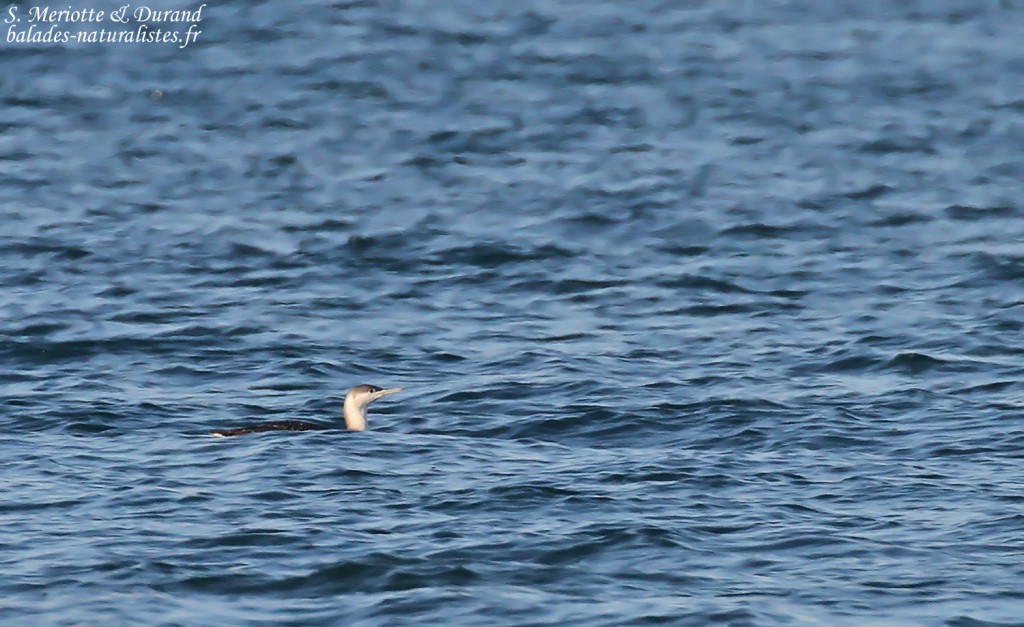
[(382, 393)]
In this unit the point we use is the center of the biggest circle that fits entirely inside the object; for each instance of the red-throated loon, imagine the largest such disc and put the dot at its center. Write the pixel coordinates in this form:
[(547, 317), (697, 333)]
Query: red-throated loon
[(356, 401)]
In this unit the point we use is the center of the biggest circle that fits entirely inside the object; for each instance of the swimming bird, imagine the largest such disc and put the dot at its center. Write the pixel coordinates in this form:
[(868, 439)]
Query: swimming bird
[(356, 402)]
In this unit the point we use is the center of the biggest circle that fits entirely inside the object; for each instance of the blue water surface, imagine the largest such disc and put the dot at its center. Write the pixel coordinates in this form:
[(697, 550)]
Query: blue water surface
[(706, 313)]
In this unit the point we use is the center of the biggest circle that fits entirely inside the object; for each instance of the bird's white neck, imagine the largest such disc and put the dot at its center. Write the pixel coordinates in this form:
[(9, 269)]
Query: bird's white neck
[(355, 415)]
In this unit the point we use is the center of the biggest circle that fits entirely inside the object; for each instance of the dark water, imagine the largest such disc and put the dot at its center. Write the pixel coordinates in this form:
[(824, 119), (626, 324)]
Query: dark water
[(707, 313)]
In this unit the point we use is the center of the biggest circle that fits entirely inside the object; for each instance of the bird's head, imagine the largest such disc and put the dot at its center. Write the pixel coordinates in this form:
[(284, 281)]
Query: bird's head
[(357, 400)]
